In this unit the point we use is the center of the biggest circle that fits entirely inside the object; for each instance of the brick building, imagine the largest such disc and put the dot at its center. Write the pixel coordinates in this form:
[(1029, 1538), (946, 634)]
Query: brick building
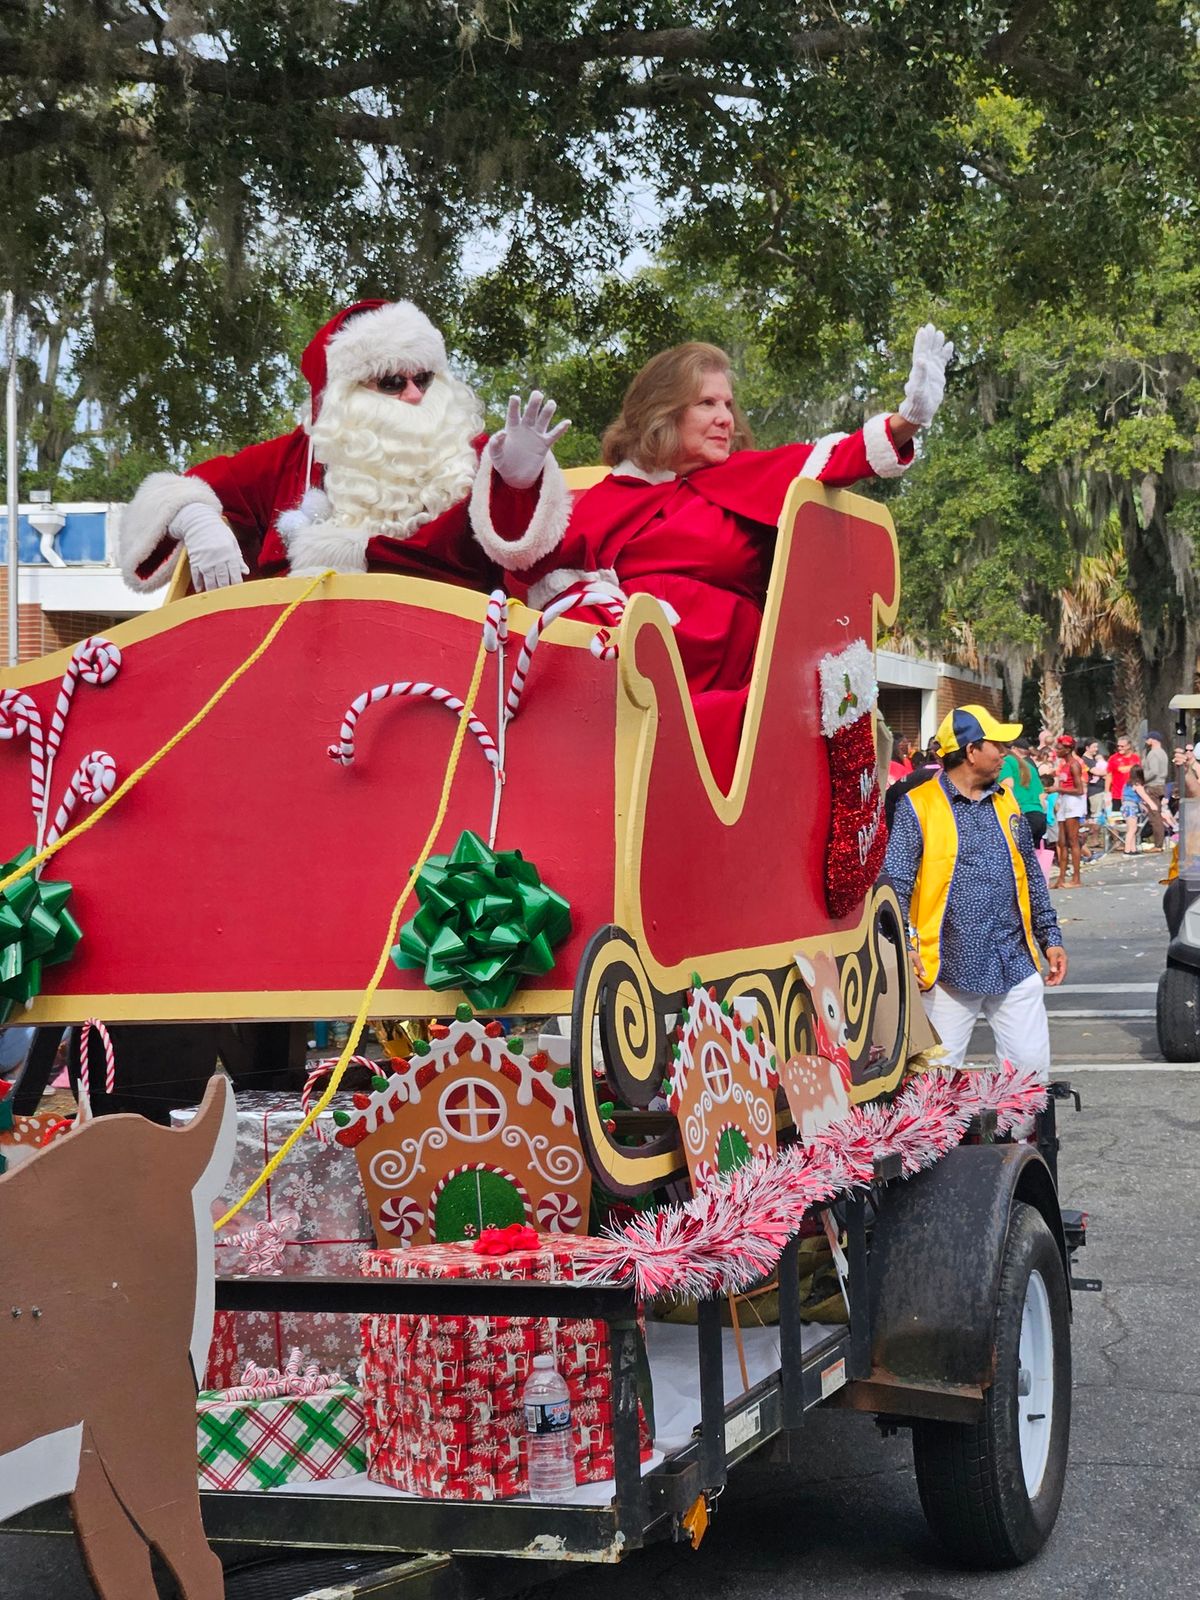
[(915, 693)]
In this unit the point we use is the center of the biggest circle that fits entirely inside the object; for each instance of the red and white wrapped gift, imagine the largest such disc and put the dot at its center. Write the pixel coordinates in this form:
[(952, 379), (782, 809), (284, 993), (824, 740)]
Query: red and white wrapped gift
[(310, 1219), (442, 1396)]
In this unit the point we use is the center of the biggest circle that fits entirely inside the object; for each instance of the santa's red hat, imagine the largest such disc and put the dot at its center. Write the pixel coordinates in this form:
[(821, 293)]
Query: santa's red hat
[(368, 340)]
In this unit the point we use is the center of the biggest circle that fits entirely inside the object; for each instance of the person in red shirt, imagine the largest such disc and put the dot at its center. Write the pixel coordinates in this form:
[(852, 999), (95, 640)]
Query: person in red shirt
[(1120, 764)]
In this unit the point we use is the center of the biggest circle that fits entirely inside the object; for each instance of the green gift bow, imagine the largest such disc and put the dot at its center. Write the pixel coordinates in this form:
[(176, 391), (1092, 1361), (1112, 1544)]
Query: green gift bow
[(486, 919), (36, 931)]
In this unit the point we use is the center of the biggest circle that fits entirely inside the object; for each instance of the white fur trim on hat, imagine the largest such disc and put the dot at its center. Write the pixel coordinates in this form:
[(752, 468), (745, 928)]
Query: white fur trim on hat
[(546, 590), (881, 452), (393, 338), (546, 526), (146, 523), (818, 457)]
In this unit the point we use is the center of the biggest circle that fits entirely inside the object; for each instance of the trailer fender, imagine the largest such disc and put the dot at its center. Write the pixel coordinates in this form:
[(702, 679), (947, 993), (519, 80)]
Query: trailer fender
[(935, 1264)]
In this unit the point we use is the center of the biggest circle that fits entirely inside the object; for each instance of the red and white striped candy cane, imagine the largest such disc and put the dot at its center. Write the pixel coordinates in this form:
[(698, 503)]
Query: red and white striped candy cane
[(570, 601), (343, 750), (318, 1074), (95, 660), (18, 717), (110, 1061), (495, 623), (94, 780)]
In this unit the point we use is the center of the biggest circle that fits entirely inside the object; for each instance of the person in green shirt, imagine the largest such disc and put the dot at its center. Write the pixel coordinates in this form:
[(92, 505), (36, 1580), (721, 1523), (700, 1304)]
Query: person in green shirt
[(1019, 775)]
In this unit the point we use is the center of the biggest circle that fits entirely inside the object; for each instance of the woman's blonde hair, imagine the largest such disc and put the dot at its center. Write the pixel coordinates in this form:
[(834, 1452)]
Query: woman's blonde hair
[(647, 430)]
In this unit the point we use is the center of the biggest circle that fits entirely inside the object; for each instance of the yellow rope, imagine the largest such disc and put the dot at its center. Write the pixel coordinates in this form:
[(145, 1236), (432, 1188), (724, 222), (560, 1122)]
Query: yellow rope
[(163, 751), (359, 1022)]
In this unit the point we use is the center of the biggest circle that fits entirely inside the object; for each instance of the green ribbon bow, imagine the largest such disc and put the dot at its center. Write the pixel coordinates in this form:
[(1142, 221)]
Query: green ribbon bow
[(486, 920), (36, 931)]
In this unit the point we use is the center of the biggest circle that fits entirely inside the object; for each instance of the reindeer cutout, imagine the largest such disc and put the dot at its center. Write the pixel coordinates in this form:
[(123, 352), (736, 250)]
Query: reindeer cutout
[(818, 1086), (106, 1258)]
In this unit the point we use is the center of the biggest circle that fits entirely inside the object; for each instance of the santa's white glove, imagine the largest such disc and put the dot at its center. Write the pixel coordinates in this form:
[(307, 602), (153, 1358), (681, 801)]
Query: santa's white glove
[(927, 381), (519, 450), (214, 555)]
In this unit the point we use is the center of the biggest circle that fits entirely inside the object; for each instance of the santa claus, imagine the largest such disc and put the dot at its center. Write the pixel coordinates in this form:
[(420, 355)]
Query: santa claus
[(376, 479)]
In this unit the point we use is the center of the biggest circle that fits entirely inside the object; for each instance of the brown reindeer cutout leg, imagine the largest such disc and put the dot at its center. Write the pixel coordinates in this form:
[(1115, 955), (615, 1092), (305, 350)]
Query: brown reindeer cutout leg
[(167, 1512), (115, 1554)]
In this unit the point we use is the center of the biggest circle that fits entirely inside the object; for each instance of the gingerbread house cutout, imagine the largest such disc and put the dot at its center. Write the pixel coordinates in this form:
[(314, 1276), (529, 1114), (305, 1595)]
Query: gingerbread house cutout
[(468, 1133), (722, 1086)]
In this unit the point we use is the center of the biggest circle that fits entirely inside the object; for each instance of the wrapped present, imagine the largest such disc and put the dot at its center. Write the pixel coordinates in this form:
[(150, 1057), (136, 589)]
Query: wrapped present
[(443, 1396), (309, 1220), (294, 1426)]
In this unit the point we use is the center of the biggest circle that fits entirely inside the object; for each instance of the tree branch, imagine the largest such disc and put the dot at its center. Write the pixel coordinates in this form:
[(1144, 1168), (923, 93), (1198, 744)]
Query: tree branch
[(19, 135), (1002, 47)]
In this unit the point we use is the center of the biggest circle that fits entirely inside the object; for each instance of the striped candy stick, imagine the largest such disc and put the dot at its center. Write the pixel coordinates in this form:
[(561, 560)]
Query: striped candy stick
[(19, 716), (316, 1077), (85, 1074), (343, 750), (93, 781), (570, 601), (96, 661)]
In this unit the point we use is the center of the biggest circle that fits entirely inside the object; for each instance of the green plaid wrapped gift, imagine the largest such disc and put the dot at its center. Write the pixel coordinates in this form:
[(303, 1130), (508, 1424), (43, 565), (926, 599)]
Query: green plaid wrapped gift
[(263, 1433)]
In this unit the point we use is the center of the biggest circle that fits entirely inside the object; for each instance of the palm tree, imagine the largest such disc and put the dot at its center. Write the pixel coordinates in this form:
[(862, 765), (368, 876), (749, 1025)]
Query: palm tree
[(1099, 613)]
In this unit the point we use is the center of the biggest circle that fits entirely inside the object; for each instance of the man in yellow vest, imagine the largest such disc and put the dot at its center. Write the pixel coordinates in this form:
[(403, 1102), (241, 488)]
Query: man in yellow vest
[(963, 862)]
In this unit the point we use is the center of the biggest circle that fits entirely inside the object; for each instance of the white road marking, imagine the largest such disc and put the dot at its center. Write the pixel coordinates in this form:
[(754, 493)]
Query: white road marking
[(1070, 1068), (1104, 988), (1055, 1012)]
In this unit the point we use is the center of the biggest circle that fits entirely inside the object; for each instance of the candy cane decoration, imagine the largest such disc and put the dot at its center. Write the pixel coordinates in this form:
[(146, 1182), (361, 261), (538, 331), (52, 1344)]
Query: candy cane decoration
[(18, 717), (601, 647), (85, 1074), (263, 1245), (268, 1383), (95, 660), (318, 1074), (94, 780), (343, 750), (495, 623)]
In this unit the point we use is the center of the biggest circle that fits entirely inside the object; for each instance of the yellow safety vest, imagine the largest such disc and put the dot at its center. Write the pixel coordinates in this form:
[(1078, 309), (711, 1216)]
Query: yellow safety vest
[(939, 834)]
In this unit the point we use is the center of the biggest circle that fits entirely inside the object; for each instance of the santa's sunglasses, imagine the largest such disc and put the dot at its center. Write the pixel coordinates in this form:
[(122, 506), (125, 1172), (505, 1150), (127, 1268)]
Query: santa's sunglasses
[(397, 382)]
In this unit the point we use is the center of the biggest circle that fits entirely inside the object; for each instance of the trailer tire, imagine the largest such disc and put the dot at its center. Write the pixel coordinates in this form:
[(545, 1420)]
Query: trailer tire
[(1178, 1014), (991, 1489)]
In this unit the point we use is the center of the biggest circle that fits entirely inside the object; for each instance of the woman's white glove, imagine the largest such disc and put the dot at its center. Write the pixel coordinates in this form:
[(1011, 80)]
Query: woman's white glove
[(927, 381), (518, 452), (214, 554)]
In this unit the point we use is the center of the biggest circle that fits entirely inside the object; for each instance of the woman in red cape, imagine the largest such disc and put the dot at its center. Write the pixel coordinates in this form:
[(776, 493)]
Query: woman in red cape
[(690, 510)]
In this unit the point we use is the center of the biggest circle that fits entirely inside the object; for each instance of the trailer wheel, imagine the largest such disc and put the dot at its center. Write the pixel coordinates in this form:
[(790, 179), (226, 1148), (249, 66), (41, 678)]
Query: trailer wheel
[(991, 1489), (1178, 1014)]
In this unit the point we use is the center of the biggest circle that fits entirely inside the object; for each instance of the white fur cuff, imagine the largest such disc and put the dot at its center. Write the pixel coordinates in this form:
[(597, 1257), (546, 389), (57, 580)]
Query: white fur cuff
[(546, 526), (881, 452), (546, 590), (146, 523)]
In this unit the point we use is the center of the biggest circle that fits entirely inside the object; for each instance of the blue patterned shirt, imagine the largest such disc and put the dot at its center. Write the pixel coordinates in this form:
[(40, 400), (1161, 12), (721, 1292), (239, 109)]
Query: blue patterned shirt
[(983, 948)]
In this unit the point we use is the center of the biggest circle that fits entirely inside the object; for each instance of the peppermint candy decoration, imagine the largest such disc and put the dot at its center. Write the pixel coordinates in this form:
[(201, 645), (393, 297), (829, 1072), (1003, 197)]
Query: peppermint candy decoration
[(559, 1212), (401, 1216)]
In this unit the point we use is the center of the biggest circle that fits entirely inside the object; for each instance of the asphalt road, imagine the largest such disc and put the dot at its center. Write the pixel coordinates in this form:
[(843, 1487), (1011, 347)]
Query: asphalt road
[(842, 1519)]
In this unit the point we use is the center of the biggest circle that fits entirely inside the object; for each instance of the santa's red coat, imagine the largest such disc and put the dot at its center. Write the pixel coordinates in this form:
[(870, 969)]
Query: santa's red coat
[(704, 544), (258, 483)]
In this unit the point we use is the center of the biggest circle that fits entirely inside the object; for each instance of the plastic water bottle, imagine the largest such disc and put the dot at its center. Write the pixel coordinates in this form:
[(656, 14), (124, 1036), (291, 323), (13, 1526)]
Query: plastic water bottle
[(549, 1441)]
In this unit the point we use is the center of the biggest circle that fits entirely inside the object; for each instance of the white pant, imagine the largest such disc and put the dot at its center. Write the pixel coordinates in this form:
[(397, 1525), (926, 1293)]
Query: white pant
[(1020, 1028)]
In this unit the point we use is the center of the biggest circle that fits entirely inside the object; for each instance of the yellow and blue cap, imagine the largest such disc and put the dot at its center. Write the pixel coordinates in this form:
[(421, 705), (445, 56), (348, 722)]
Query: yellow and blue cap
[(972, 725)]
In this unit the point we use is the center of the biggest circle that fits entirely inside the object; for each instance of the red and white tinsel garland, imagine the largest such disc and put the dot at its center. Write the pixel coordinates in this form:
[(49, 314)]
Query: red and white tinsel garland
[(733, 1234)]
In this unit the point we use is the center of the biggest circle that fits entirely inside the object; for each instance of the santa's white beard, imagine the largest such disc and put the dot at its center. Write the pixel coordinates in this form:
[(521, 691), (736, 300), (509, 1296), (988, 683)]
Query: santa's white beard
[(389, 466)]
